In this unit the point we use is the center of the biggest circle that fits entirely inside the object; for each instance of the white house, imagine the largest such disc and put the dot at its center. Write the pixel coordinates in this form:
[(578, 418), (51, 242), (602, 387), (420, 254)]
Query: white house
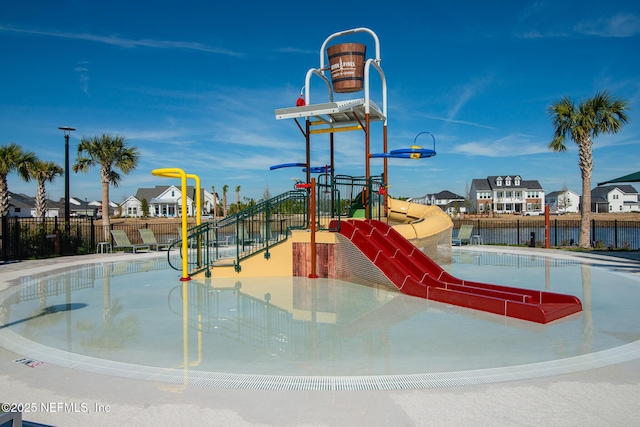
[(449, 202), (615, 198), (506, 194), (165, 201), (563, 201)]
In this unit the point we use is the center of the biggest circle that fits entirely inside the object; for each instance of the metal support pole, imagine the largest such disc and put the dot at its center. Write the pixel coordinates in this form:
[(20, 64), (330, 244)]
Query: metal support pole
[(547, 228), (313, 274), (67, 214), (367, 152)]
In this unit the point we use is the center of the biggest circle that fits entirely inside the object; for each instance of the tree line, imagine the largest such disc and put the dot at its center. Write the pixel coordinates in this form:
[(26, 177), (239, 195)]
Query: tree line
[(107, 152)]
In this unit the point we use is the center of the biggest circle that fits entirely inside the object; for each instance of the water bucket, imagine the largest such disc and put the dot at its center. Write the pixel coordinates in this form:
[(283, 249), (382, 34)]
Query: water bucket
[(346, 63)]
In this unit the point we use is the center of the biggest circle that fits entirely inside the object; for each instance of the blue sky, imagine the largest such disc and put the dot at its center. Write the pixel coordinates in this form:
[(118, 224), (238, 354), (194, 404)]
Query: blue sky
[(194, 85)]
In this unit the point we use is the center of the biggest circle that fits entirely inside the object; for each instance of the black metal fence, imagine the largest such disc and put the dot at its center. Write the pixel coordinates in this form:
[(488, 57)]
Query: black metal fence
[(605, 234), (24, 238)]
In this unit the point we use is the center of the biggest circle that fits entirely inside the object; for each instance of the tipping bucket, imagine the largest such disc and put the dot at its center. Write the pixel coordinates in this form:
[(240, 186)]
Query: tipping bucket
[(346, 63)]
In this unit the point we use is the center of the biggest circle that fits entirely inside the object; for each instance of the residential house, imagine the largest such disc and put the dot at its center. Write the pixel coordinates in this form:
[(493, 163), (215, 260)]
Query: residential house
[(563, 201), (79, 207), (506, 194), (165, 201), (449, 202), (84, 208), (614, 198), (23, 206)]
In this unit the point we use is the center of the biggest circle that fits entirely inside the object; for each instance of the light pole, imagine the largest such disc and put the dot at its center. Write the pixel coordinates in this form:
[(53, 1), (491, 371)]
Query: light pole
[(67, 130)]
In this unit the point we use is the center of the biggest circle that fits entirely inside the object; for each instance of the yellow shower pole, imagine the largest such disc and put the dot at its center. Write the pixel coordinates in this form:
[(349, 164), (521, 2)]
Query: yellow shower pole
[(179, 173)]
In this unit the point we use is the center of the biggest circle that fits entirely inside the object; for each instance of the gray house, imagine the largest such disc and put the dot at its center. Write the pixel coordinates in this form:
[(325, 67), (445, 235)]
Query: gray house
[(23, 206)]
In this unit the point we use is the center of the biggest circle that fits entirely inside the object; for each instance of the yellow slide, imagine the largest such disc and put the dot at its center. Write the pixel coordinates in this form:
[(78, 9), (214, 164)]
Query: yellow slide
[(427, 227)]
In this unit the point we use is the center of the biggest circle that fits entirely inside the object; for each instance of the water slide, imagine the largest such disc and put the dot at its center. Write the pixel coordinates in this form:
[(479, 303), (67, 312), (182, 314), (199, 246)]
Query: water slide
[(416, 220), (414, 273)]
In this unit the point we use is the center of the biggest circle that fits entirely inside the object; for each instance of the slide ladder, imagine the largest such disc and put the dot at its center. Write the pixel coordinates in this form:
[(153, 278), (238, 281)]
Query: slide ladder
[(414, 273)]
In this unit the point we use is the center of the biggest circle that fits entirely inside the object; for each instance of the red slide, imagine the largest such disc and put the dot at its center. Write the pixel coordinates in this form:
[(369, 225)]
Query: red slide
[(414, 273)]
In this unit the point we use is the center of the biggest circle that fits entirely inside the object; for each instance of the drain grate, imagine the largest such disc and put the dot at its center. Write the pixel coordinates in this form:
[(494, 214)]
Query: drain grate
[(20, 345)]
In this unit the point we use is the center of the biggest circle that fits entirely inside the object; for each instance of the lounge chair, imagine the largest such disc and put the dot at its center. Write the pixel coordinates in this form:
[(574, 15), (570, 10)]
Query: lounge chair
[(149, 238), (122, 242), (464, 235)]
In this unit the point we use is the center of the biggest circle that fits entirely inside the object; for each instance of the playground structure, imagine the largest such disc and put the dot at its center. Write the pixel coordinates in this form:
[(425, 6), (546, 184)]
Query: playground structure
[(340, 226)]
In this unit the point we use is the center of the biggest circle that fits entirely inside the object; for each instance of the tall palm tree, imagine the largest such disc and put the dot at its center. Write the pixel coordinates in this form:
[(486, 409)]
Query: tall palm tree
[(601, 114), (13, 159), (225, 188), (238, 198), (43, 172), (109, 153)]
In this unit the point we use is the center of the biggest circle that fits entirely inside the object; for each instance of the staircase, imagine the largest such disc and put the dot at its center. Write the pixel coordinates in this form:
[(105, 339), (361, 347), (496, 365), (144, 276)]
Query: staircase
[(244, 234)]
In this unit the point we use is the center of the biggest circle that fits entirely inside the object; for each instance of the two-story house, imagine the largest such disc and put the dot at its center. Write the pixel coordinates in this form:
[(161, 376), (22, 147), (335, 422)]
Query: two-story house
[(563, 201), (614, 198), (506, 194)]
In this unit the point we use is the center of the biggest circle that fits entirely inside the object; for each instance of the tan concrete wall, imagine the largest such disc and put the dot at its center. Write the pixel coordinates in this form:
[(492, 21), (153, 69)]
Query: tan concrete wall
[(280, 262)]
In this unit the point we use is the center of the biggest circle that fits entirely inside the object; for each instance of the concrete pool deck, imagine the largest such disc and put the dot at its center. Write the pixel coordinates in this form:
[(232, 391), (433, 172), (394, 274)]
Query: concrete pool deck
[(66, 397)]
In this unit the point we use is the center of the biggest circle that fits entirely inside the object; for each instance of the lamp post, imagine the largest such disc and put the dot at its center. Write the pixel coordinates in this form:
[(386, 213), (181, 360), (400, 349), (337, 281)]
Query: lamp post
[(67, 131)]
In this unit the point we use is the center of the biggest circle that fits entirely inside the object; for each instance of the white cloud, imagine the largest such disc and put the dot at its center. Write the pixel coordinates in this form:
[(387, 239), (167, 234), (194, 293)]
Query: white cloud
[(508, 146), (83, 76), (125, 42), (461, 122), (620, 25)]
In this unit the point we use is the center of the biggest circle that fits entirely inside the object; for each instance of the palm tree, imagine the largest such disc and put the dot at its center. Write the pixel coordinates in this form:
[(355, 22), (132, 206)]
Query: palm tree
[(43, 172), (225, 188), (13, 158), (581, 123), (109, 153), (238, 198)]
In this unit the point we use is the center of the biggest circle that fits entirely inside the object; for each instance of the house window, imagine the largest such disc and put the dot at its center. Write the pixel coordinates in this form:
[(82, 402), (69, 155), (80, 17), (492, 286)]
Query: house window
[(518, 194), (499, 182), (507, 182), (499, 194), (507, 193), (517, 180), (16, 210), (172, 193)]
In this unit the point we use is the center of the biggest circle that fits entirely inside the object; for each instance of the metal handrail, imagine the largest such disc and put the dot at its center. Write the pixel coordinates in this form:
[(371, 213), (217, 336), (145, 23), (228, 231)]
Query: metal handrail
[(246, 233)]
